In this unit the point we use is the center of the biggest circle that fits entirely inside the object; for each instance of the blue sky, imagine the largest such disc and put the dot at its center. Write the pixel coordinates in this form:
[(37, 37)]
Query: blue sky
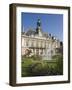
[(51, 23)]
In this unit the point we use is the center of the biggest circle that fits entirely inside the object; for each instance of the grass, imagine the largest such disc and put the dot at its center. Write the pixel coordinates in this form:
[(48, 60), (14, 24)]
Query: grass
[(38, 67)]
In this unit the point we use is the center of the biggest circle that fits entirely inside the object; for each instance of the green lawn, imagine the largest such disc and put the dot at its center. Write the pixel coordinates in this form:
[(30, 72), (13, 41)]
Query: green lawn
[(36, 67)]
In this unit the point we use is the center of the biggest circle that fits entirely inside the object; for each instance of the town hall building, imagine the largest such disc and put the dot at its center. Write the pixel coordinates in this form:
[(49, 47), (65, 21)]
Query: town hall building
[(39, 43)]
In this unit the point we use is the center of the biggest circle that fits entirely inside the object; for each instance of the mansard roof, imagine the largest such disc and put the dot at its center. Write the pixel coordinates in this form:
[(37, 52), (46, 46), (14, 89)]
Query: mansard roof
[(33, 32), (45, 35), (30, 32)]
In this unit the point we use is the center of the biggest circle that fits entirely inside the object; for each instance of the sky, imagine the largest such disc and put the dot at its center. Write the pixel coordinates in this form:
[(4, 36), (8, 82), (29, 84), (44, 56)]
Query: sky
[(50, 23)]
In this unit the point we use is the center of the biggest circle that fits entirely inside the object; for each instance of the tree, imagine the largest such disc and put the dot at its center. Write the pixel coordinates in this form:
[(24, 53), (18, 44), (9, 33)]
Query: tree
[(27, 52)]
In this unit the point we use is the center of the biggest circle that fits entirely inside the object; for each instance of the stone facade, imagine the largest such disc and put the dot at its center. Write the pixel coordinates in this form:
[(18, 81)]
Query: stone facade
[(39, 43)]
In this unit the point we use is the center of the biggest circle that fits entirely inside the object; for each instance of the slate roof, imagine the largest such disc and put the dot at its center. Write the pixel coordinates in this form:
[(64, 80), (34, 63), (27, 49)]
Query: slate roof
[(30, 32), (33, 32)]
